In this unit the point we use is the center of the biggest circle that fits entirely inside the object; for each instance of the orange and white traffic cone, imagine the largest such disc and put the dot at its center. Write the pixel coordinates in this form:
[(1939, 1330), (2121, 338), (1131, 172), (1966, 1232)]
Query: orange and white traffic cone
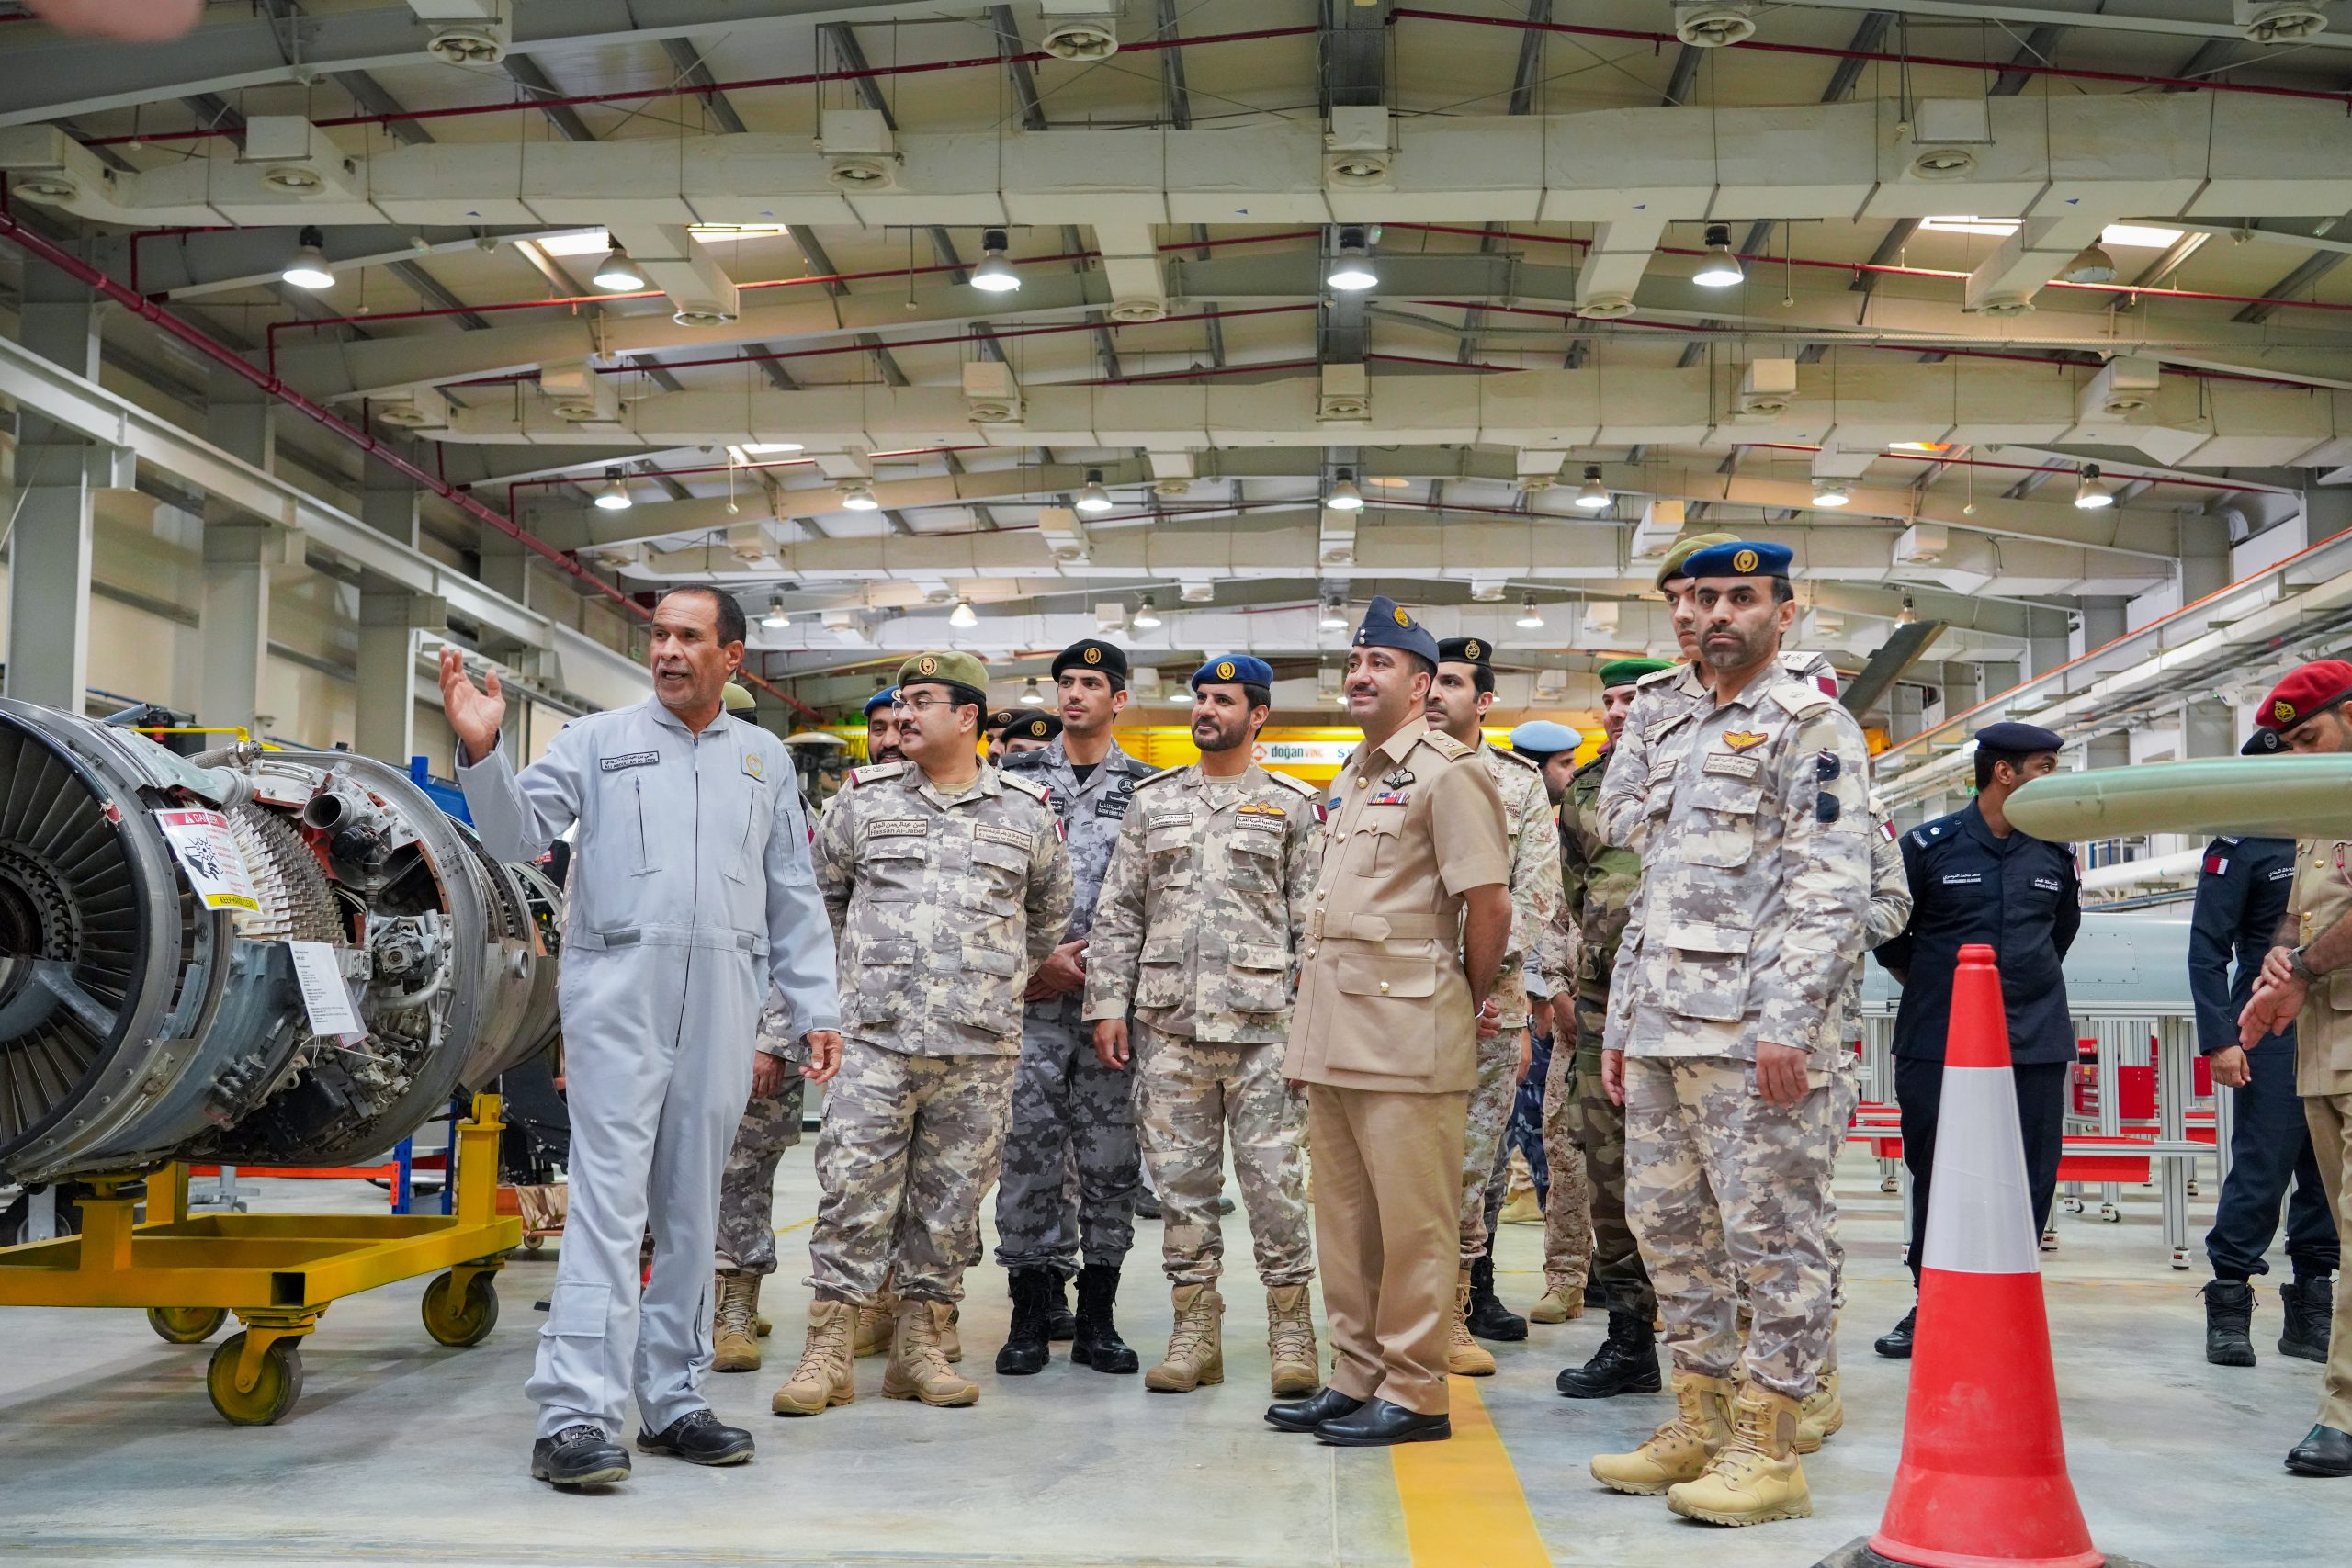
[(1983, 1481)]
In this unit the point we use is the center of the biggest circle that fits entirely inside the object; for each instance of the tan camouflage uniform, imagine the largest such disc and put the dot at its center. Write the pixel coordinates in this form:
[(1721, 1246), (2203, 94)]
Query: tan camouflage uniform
[(1753, 820), (1197, 932), (770, 1125), (942, 904), (1535, 849)]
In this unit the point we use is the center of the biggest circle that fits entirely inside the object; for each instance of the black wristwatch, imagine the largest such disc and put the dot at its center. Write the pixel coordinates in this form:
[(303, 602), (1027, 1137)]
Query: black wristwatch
[(2301, 966)]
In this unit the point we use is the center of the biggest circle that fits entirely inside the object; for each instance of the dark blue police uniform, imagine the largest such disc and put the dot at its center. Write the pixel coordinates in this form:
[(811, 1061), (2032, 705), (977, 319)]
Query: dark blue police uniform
[(2241, 901), (2022, 898)]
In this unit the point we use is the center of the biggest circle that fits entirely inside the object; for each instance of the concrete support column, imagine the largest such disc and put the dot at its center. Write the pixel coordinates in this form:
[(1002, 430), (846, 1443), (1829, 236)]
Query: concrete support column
[(2204, 557), (49, 548), (2328, 509), (1999, 675), (239, 551), (1903, 712), (505, 567), (389, 626), (2105, 618), (1963, 687), (2208, 729), (388, 502)]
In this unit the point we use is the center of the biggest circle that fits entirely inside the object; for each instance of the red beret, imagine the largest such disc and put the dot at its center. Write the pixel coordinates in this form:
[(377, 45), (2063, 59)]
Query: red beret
[(2310, 690)]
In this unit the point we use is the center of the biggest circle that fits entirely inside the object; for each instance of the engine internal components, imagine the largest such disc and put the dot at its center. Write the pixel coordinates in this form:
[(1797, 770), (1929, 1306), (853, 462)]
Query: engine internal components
[(186, 944)]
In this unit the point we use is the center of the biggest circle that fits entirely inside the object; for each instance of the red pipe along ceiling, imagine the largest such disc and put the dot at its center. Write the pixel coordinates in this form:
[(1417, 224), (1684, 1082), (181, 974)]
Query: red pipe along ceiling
[(228, 358)]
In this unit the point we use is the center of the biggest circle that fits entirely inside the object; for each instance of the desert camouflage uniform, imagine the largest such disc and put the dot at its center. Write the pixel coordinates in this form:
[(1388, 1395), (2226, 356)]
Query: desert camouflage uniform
[(770, 1126), (1197, 933), (1753, 819), (942, 904), (1535, 900), (1070, 1111), (1582, 1127)]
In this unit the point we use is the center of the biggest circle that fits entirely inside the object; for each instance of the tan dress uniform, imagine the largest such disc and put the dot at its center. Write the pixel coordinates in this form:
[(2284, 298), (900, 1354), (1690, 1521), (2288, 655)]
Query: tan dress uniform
[(2324, 1077), (1384, 1036)]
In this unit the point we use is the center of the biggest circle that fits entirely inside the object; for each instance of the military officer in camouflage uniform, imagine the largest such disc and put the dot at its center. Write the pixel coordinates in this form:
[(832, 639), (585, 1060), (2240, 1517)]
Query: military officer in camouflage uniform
[(1196, 935), (1067, 1108), (1459, 697), (771, 1124), (1597, 884), (1737, 955), (948, 886)]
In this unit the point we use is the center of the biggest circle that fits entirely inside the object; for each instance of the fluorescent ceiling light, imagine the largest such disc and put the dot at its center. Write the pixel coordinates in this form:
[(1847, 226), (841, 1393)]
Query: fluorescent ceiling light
[(737, 231), (1592, 495), (1996, 227), (963, 615), (1934, 448), (2146, 236), (618, 274), (994, 274), (763, 448), (580, 243), (1720, 269), (309, 268)]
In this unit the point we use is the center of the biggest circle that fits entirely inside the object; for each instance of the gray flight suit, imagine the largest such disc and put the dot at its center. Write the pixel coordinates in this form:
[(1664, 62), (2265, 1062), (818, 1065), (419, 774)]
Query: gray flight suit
[(691, 893), (1067, 1108)]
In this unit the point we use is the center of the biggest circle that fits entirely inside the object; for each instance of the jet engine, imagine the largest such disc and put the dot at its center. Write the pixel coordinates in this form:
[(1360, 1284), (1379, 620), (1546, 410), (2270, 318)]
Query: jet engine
[(248, 957)]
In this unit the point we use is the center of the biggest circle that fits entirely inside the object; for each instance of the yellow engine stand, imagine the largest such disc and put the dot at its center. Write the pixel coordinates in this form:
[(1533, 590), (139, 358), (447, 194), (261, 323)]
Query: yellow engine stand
[(277, 1273)]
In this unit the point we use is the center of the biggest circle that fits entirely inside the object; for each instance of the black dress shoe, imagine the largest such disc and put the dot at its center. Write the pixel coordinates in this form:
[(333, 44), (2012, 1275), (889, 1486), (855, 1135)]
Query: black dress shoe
[(698, 1438), (2323, 1451), (1895, 1342), (1306, 1414), (1379, 1424), (579, 1456)]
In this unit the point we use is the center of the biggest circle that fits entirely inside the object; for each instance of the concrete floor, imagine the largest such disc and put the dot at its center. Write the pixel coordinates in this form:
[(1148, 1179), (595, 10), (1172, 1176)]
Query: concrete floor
[(401, 1451)]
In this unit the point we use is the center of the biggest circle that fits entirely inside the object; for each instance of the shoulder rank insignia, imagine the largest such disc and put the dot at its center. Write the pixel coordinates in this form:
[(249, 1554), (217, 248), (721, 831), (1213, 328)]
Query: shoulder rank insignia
[(1444, 745), (1658, 677), (874, 773), (1287, 782), (1506, 754), (1029, 787), (1163, 774), (1741, 740)]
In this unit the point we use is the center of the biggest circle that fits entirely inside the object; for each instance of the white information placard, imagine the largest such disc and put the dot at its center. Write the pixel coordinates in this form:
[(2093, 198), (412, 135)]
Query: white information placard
[(215, 870), (325, 995)]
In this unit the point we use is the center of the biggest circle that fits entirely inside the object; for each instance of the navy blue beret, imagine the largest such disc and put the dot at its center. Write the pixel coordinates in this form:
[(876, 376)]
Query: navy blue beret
[(1234, 668), (1386, 624), (881, 699), (1741, 558), (2023, 738)]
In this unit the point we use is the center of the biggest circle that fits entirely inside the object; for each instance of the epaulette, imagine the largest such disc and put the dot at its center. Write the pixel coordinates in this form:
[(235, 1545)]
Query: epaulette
[(1137, 766), (1444, 745), (1287, 782), (1151, 780), (1656, 676), (1023, 760), (1507, 755), (1029, 787), (874, 773), (1801, 701)]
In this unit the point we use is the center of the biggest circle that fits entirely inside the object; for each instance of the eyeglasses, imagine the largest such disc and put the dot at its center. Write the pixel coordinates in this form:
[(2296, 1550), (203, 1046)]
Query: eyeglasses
[(922, 704)]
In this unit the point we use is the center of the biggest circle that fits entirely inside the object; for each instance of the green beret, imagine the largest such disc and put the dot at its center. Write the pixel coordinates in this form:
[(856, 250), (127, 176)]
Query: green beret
[(1684, 548), (945, 668), (1626, 672)]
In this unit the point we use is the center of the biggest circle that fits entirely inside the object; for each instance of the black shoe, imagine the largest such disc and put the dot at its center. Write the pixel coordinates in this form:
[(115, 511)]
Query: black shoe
[(1625, 1363), (2229, 1317), (1024, 1350), (579, 1456), (1098, 1344), (1489, 1318), (698, 1438), (1895, 1342), (1379, 1424), (1306, 1414), (2310, 1304), (2323, 1451), (1062, 1324), (1146, 1204)]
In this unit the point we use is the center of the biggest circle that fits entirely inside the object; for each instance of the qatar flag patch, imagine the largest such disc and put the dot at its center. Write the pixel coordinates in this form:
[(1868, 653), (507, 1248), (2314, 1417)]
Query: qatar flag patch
[(2217, 865)]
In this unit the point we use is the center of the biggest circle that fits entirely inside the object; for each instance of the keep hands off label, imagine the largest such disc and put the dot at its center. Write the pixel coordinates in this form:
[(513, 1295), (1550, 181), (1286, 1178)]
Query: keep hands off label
[(201, 841)]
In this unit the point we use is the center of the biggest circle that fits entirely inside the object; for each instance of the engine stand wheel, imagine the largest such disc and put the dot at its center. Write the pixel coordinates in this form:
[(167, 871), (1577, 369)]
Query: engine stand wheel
[(278, 1382), (461, 1317), (185, 1325)]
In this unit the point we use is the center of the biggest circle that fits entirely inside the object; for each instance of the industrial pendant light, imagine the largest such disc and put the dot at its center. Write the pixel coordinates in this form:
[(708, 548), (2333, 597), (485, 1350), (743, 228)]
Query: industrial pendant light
[(1334, 617), (2091, 264), (1145, 617), (1031, 697), (858, 496), (994, 274), (1092, 497), (1351, 271), (775, 619), (1720, 269), (618, 274), (1592, 495), (309, 268), (1343, 495), (613, 496), (2089, 493), (1830, 492), (1530, 617), (963, 617)]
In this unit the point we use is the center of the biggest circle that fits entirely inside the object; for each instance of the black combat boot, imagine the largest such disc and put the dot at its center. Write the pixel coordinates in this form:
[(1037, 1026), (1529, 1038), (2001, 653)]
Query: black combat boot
[(1489, 1318), (1625, 1363), (1098, 1344), (1896, 1342), (1062, 1324), (1025, 1350), (2229, 1317), (2310, 1305)]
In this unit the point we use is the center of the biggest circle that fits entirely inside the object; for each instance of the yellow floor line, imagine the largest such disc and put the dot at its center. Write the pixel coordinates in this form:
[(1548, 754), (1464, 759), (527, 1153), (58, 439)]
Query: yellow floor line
[(787, 1230), (1464, 1507)]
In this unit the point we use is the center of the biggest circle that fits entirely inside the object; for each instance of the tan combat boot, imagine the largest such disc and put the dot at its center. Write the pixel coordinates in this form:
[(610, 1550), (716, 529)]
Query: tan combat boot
[(1561, 1303), (1522, 1208), (1290, 1342), (1823, 1412), (1195, 1352), (918, 1367), (822, 1378), (1680, 1451), (735, 1344), (951, 1334), (1756, 1478), (1465, 1357), (872, 1336)]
